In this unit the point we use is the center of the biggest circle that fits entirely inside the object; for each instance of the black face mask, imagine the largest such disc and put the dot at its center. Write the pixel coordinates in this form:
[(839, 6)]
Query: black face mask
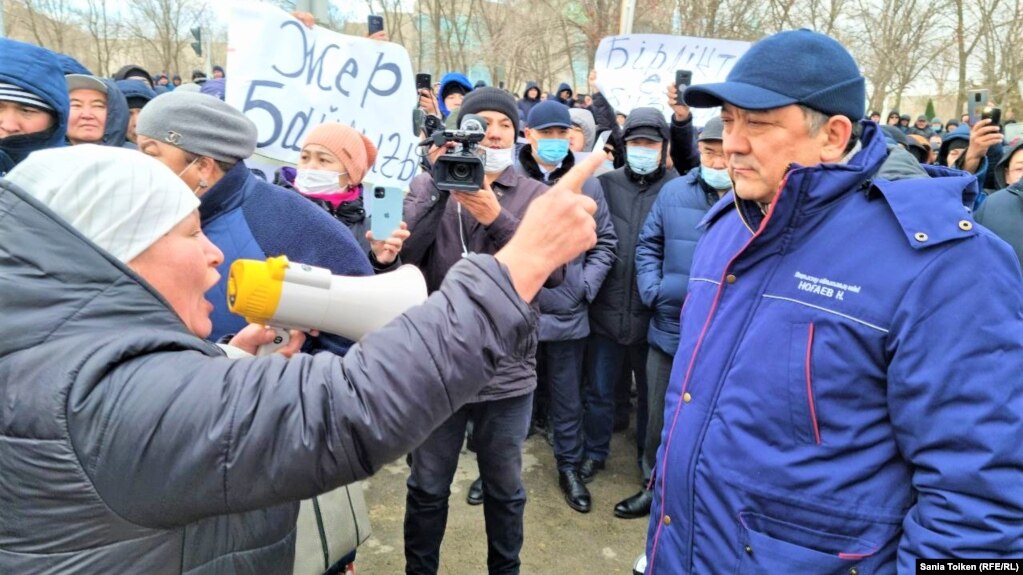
[(17, 148)]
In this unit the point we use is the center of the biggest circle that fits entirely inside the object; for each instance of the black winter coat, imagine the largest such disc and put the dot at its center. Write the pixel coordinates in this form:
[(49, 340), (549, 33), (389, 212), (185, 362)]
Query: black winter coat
[(618, 311)]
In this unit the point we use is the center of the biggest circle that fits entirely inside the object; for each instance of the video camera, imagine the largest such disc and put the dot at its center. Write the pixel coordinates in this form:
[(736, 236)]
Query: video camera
[(460, 169)]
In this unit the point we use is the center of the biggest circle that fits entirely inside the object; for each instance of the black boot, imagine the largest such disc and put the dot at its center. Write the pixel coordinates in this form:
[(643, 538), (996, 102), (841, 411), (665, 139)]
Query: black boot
[(475, 495), (636, 506), (588, 470), (576, 493)]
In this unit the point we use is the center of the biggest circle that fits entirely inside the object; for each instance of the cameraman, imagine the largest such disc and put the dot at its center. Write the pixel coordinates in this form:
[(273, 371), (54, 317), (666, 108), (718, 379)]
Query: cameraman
[(443, 232)]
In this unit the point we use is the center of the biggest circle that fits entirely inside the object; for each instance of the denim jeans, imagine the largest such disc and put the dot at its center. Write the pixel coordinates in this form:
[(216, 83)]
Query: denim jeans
[(560, 365), (500, 430), (605, 363)]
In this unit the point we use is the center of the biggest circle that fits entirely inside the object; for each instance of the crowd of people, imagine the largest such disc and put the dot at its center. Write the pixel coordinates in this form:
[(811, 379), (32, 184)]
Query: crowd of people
[(787, 297)]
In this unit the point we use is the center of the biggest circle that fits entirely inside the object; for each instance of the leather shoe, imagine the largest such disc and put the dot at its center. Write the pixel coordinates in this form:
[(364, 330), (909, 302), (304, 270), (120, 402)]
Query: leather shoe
[(576, 493), (475, 495), (636, 506), (588, 470)]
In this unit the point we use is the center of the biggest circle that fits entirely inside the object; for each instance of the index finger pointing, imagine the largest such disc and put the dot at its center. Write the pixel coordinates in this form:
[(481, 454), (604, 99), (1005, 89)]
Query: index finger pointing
[(573, 180)]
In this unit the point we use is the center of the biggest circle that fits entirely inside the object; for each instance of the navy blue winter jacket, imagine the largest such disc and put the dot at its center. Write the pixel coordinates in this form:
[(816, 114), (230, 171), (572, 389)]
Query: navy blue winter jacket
[(38, 71), (115, 131), (841, 400), (249, 218), (664, 253)]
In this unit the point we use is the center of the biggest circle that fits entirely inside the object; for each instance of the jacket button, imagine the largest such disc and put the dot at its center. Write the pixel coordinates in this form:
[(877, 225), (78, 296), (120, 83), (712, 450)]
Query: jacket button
[(687, 397), (749, 550), (854, 571), (965, 225), (730, 278), (667, 520), (920, 237)]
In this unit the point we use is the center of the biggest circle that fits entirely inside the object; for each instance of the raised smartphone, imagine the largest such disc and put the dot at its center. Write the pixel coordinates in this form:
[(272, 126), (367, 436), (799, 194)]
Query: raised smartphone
[(975, 102), (683, 78), (385, 210)]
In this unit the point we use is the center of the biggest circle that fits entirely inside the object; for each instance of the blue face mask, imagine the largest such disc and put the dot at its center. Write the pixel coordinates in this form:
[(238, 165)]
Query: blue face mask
[(551, 151), (642, 160), (717, 179)]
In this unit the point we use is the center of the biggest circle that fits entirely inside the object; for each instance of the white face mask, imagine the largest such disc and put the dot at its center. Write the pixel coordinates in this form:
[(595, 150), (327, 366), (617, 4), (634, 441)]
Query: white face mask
[(498, 159), (317, 181)]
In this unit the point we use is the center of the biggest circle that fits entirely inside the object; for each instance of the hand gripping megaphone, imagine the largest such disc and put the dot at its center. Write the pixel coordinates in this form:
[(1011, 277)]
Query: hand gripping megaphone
[(286, 295)]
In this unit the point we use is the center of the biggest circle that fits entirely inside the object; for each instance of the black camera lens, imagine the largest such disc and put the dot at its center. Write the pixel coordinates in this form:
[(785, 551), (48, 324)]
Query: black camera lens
[(461, 172), (379, 192)]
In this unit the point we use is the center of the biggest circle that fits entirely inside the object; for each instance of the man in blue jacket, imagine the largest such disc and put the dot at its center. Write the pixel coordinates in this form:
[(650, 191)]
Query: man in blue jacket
[(663, 256), (33, 102), (841, 401)]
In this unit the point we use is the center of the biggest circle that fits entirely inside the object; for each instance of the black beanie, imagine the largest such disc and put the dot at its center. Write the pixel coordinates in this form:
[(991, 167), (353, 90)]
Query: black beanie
[(490, 99)]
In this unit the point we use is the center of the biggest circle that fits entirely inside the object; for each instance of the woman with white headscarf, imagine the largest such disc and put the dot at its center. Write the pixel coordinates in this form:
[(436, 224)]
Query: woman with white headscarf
[(129, 444)]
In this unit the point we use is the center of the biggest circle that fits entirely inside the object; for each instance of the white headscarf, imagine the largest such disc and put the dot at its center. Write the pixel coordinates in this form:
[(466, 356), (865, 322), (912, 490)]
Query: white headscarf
[(122, 200)]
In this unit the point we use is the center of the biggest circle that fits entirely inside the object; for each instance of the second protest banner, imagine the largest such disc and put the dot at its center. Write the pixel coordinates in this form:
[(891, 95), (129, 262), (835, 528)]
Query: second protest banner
[(634, 71), (288, 79)]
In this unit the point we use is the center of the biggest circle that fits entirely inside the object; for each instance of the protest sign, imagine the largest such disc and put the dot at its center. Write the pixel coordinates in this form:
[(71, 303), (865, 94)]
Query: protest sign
[(634, 71), (288, 79)]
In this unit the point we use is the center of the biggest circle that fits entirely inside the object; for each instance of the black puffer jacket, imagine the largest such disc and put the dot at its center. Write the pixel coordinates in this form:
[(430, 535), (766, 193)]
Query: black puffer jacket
[(129, 445), (618, 311)]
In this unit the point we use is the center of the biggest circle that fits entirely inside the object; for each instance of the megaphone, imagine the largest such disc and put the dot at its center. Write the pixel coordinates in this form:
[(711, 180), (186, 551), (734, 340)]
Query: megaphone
[(285, 295)]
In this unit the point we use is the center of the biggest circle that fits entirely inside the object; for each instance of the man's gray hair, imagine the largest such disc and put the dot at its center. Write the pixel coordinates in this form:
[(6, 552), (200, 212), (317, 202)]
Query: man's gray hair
[(816, 120)]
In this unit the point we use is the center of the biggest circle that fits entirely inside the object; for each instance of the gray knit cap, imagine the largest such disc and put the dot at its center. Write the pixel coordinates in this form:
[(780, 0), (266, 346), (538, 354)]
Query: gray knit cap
[(199, 124), (490, 99)]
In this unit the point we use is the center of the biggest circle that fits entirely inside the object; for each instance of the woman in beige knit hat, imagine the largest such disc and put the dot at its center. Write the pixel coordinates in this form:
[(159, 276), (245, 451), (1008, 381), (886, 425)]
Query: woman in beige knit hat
[(335, 159)]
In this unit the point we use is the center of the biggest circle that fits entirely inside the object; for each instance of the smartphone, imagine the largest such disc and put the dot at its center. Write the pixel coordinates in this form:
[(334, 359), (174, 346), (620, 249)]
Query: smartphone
[(975, 102), (991, 113), (423, 82), (385, 210), (683, 78), (376, 24)]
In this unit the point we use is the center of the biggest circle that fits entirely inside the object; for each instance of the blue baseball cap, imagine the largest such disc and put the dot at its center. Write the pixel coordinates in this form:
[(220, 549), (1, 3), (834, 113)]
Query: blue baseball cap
[(791, 67), (549, 114)]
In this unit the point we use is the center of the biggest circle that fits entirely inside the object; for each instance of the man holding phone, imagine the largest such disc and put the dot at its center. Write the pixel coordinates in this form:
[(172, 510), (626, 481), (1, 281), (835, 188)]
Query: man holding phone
[(447, 98), (972, 149)]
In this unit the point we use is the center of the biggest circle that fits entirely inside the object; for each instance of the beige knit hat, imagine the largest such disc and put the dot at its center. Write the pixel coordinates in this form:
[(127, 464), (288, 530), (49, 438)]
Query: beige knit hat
[(356, 153)]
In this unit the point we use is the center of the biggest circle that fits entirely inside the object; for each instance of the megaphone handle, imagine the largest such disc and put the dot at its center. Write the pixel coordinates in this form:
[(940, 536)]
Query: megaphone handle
[(281, 339)]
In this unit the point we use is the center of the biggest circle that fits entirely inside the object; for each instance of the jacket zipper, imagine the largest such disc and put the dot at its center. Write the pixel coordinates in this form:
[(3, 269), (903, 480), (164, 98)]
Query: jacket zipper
[(809, 387), (689, 371)]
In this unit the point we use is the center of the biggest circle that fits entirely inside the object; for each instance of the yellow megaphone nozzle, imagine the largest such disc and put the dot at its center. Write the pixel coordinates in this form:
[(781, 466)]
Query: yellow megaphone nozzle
[(254, 288)]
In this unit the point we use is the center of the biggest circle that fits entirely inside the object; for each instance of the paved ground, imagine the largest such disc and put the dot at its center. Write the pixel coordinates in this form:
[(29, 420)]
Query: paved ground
[(558, 540)]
